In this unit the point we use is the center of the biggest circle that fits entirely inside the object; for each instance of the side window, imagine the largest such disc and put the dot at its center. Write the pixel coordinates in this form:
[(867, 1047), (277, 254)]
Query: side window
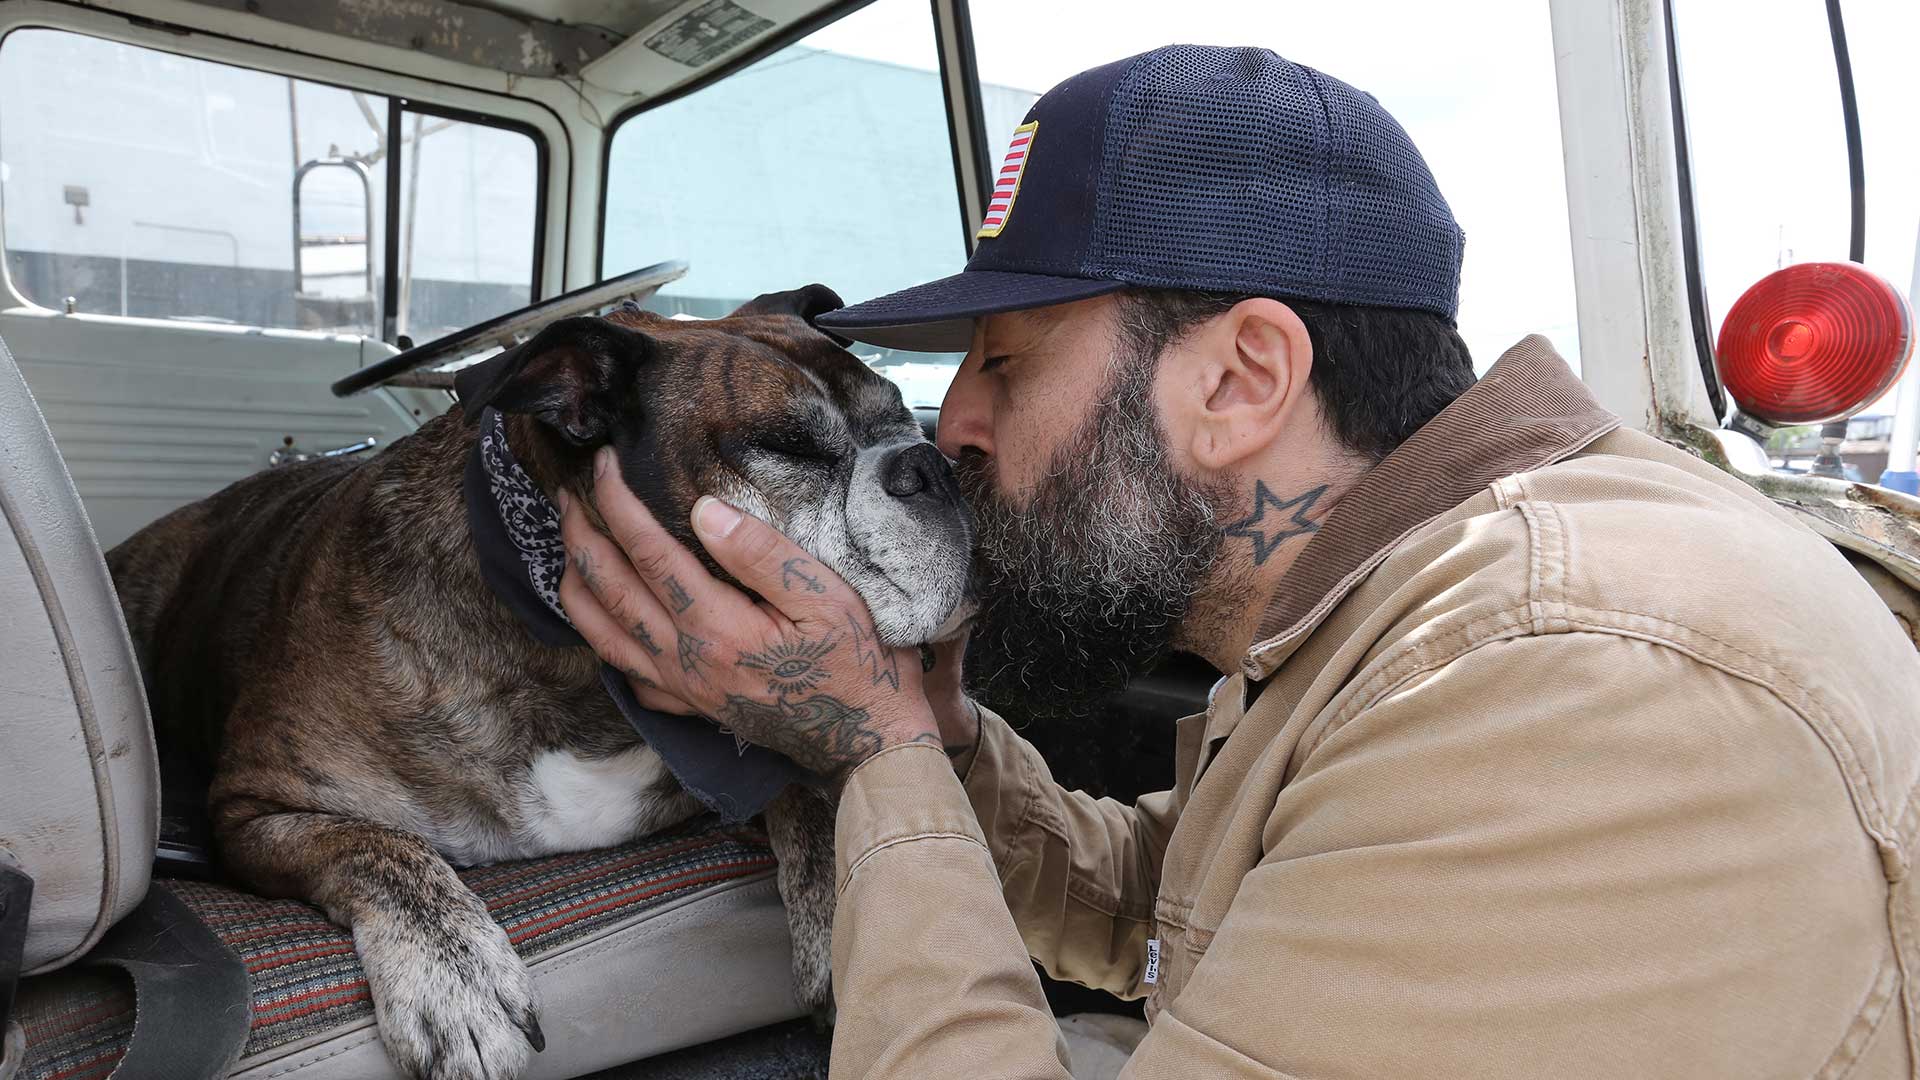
[(827, 161), (146, 184), (468, 205)]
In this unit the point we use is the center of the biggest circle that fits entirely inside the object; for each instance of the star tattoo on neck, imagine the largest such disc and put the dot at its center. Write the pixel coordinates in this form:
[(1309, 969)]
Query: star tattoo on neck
[(1275, 521)]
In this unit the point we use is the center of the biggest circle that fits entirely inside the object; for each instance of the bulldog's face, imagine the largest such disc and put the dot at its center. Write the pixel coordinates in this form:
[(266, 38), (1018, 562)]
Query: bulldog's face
[(767, 413)]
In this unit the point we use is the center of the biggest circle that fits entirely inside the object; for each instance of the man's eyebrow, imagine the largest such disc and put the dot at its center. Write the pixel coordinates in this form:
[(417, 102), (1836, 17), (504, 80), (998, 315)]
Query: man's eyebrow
[(1030, 328)]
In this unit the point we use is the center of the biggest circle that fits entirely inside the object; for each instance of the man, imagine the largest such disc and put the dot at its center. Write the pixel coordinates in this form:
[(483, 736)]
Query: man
[(1545, 749)]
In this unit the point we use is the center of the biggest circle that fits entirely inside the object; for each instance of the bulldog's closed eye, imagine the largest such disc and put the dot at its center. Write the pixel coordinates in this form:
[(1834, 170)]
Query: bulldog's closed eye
[(799, 445)]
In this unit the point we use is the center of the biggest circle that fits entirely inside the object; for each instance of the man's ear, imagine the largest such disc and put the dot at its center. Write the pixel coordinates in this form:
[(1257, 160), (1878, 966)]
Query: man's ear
[(1248, 383), (808, 303), (568, 376)]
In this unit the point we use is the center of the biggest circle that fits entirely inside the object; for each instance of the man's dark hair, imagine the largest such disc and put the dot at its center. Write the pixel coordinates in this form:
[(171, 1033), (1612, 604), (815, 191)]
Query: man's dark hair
[(1379, 373)]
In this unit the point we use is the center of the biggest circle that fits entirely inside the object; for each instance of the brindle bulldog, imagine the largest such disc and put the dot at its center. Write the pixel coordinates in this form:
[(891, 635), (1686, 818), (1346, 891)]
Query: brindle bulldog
[(368, 712)]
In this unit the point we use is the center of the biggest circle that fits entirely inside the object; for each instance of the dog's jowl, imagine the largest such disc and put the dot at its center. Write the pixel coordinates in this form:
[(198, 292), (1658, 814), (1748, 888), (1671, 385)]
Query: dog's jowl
[(365, 664)]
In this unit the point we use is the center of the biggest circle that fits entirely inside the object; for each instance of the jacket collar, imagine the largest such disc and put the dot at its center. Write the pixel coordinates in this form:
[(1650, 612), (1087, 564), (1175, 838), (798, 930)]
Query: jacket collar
[(1527, 411)]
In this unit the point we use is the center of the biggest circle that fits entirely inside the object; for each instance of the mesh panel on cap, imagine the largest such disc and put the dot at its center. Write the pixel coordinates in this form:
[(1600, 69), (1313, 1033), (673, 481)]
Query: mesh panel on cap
[(1235, 169)]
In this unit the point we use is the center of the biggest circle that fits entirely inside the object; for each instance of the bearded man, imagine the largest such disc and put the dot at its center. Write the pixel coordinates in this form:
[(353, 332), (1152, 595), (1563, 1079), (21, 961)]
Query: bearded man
[(1544, 749)]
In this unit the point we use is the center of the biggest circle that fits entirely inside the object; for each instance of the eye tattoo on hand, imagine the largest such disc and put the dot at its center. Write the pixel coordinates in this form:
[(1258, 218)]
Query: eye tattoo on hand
[(791, 667)]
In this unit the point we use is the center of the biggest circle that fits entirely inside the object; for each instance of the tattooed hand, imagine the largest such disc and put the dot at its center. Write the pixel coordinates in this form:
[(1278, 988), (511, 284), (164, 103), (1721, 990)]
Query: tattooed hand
[(800, 672)]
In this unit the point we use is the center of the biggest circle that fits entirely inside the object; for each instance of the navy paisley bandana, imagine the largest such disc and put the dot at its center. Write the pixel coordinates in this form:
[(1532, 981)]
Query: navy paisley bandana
[(516, 533)]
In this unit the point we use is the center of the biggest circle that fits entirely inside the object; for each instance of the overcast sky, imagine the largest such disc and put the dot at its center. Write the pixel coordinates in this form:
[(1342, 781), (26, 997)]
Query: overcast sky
[(1474, 84)]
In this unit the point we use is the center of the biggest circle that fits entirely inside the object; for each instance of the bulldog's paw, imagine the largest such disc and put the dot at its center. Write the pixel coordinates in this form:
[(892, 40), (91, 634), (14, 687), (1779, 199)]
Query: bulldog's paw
[(452, 998)]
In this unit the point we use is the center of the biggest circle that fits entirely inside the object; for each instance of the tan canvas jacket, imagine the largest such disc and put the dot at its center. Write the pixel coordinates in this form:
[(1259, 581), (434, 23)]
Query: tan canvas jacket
[(1563, 754)]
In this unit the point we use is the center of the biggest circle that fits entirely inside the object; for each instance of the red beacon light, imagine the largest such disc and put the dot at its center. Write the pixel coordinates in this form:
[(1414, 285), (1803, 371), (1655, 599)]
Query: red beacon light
[(1814, 342)]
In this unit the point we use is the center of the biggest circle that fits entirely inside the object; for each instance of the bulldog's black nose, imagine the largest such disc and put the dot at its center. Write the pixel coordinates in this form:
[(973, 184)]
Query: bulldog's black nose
[(918, 469)]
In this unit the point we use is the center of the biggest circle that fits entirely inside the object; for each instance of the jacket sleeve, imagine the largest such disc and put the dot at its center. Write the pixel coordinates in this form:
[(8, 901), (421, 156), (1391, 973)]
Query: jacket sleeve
[(929, 975), (1521, 863), (1078, 873)]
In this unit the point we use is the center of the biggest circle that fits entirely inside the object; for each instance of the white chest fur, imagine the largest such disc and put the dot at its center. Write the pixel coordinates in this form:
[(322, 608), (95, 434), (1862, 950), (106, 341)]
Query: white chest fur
[(571, 803)]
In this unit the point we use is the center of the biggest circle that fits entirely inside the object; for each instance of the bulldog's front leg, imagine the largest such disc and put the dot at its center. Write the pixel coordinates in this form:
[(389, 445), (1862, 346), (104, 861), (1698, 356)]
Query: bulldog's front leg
[(452, 998), (800, 831)]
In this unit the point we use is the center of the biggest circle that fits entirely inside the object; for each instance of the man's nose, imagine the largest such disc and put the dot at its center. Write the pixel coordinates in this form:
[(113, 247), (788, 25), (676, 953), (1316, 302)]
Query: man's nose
[(917, 470), (964, 414)]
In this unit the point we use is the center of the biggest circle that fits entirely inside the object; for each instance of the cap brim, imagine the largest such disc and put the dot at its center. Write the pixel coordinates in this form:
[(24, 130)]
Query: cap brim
[(938, 316)]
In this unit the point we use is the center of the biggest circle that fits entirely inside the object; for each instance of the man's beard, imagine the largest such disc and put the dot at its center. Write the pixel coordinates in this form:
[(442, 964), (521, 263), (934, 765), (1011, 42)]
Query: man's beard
[(1087, 582)]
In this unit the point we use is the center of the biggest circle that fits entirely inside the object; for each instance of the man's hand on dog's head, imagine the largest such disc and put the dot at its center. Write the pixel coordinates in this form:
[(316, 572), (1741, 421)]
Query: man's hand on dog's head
[(800, 672)]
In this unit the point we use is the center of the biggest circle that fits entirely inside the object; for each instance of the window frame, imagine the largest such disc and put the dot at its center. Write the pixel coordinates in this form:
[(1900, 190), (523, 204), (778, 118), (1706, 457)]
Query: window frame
[(397, 108), (402, 93)]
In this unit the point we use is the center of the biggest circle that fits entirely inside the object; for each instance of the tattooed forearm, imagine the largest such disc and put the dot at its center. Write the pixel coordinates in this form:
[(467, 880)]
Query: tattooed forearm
[(791, 667), (882, 667), (1289, 519), (678, 594), (820, 732), (645, 637), (796, 573)]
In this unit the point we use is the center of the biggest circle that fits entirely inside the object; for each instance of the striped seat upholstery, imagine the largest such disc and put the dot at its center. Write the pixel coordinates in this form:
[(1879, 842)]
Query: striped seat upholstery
[(307, 980)]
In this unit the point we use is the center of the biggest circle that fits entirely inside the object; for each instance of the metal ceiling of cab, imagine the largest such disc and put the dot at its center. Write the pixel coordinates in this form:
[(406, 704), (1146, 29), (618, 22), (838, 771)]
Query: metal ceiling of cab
[(638, 48)]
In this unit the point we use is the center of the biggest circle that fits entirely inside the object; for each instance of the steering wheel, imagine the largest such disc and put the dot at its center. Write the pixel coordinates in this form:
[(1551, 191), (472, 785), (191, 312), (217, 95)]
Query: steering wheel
[(404, 369)]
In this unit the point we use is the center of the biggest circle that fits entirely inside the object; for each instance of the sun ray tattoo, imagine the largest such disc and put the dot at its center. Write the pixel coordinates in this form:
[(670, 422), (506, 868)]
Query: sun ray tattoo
[(791, 667)]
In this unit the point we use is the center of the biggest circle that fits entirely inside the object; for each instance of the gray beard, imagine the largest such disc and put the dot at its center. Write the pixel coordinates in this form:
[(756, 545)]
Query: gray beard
[(1088, 582)]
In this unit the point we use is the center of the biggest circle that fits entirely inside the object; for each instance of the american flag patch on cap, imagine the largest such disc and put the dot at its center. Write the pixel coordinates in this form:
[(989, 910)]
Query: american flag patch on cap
[(1007, 184)]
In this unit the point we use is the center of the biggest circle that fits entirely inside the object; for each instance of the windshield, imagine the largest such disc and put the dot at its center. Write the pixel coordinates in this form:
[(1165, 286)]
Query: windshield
[(827, 161)]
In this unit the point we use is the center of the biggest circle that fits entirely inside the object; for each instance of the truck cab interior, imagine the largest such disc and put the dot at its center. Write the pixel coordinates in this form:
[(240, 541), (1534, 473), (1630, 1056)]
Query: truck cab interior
[(239, 233)]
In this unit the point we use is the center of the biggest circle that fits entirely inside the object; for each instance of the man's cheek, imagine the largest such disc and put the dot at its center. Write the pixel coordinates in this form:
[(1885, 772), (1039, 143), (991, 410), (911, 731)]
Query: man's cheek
[(1024, 445)]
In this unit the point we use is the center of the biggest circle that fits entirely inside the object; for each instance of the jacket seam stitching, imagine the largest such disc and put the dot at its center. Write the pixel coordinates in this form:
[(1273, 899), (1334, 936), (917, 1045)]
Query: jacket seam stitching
[(1030, 816), (1903, 949), (895, 841), (1846, 1062), (1405, 664), (1858, 782), (1870, 808), (1564, 563), (1909, 814), (1099, 902)]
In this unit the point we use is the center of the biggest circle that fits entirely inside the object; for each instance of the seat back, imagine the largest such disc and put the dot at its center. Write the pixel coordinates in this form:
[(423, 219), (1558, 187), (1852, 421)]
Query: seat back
[(79, 783)]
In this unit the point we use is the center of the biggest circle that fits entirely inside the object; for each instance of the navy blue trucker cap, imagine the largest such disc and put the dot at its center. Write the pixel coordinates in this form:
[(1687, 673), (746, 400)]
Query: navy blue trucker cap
[(1192, 167)]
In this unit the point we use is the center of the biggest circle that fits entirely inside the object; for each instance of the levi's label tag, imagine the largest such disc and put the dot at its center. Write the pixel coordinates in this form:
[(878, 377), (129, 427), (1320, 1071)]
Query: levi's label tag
[(1153, 961)]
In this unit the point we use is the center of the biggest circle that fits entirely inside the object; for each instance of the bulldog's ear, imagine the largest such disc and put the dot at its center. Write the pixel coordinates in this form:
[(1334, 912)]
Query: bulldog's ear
[(808, 303), (568, 376)]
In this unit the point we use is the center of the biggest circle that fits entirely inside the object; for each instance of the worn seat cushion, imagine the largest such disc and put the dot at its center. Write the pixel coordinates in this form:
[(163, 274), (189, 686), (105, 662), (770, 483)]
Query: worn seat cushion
[(635, 950)]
